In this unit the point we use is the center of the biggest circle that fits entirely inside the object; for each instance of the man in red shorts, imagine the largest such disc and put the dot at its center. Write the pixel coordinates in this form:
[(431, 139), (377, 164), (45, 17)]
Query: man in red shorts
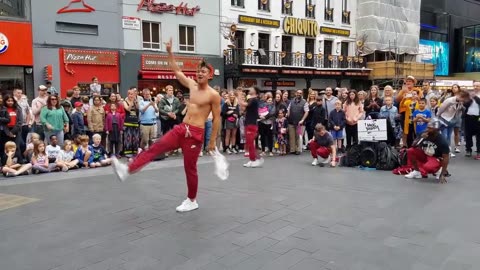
[(429, 154), (189, 135)]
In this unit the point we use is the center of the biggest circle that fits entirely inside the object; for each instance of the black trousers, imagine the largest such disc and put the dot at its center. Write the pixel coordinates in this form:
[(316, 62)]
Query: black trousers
[(266, 136), (352, 134), (167, 125), (472, 128)]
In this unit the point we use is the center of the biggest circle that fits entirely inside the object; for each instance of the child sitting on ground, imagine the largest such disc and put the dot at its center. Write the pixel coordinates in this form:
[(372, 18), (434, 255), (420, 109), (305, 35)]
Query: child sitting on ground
[(32, 138), (84, 152), (65, 159), (40, 159), (53, 149), (99, 154), (12, 163)]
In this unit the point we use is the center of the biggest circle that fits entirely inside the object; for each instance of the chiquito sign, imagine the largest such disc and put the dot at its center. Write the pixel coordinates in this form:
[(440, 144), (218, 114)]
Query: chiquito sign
[(182, 9), (300, 27)]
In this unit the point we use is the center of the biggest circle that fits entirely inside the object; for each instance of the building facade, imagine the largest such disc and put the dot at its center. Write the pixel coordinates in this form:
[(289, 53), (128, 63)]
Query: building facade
[(148, 25), (75, 40), (16, 53), (290, 44)]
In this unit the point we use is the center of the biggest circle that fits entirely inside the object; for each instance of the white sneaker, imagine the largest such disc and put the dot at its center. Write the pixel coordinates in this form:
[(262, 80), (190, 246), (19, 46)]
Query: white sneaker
[(187, 206), (457, 150), (229, 151), (201, 154), (452, 155), (315, 162), (327, 161), (121, 170), (234, 151), (257, 163), (414, 175), (248, 164)]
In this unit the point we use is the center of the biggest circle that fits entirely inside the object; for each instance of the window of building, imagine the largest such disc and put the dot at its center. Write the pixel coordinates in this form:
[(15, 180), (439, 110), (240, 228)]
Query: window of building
[(187, 38), (287, 7), (264, 5), (345, 12), (76, 28), (12, 8), (310, 9), (328, 11), (344, 49), (151, 35), (327, 47), (238, 3)]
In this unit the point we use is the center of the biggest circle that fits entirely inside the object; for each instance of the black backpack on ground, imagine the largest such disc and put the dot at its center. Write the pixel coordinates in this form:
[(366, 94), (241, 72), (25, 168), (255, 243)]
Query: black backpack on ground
[(352, 157), (388, 158)]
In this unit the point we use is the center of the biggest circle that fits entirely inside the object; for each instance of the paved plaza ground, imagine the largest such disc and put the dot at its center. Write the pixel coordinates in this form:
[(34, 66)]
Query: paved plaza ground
[(287, 215)]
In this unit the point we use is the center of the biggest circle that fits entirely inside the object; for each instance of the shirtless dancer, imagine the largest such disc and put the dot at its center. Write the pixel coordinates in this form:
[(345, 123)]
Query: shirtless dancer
[(188, 135)]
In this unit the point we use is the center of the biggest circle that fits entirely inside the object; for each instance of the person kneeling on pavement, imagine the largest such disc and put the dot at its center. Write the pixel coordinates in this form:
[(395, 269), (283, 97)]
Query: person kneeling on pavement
[(429, 153), (323, 147)]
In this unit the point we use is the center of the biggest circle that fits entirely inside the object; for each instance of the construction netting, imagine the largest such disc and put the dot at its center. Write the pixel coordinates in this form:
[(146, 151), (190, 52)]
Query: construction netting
[(388, 25)]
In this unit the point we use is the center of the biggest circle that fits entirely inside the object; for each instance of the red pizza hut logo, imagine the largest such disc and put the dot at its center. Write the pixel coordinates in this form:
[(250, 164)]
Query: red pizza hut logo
[(181, 9)]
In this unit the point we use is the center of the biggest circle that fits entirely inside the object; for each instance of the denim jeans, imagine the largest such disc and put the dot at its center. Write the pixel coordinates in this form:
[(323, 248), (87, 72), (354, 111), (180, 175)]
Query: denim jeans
[(208, 133), (447, 133)]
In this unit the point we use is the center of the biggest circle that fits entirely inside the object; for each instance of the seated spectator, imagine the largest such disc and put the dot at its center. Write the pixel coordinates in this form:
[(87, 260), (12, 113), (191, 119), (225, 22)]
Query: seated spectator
[(40, 159), (429, 154), (323, 147), (32, 138), (65, 159), (99, 155), (53, 149), (84, 152), (12, 163)]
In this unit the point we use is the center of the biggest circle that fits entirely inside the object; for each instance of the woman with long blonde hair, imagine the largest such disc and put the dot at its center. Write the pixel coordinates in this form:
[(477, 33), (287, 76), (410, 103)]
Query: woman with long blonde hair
[(231, 114)]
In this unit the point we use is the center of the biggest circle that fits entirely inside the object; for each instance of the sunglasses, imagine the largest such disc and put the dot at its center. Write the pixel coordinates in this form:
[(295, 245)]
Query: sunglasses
[(53, 99)]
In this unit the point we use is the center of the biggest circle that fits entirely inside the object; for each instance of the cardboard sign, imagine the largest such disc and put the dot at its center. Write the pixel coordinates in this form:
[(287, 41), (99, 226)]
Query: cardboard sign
[(372, 130)]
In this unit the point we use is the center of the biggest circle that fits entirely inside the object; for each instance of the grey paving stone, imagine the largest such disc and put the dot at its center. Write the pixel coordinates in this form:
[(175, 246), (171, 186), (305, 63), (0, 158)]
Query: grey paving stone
[(258, 246), (309, 264), (287, 260), (275, 215), (233, 258), (284, 232), (257, 261)]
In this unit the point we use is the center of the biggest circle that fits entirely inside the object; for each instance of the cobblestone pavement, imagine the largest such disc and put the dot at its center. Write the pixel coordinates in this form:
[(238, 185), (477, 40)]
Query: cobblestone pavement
[(287, 215)]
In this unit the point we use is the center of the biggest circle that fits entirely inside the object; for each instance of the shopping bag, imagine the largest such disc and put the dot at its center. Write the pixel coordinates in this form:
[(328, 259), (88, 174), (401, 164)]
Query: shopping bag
[(221, 165)]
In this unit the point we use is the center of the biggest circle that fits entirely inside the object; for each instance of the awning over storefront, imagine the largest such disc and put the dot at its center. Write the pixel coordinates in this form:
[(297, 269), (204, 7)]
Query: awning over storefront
[(163, 75)]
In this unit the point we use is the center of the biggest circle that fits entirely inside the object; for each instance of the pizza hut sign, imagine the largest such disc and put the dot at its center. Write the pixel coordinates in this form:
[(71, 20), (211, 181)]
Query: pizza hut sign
[(89, 57), (181, 9)]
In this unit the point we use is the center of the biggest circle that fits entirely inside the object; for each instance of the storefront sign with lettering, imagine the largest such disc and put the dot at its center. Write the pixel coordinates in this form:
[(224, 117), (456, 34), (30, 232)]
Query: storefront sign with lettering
[(300, 27), (280, 83), (258, 21), (181, 9), (85, 57), (334, 31), (160, 62)]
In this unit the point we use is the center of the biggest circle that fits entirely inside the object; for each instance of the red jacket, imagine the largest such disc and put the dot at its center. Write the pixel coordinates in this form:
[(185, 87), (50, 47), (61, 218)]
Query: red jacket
[(109, 121), (120, 109)]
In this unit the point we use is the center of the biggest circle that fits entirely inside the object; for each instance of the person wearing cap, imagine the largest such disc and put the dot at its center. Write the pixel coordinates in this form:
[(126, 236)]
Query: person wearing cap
[(51, 90), (37, 104), (429, 154), (78, 120)]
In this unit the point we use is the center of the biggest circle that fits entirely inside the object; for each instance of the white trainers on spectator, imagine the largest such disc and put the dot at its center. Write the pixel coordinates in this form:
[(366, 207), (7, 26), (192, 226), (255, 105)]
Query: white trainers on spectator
[(452, 155), (248, 164), (414, 175), (315, 162), (121, 170), (457, 150), (187, 206), (257, 163)]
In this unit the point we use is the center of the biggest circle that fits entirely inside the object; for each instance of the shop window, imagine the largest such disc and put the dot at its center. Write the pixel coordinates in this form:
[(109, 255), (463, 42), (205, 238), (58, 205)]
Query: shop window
[(238, 3), (10, 78), (151, 35), (187, 38), (76, 28), (264, 5), (12, 8)]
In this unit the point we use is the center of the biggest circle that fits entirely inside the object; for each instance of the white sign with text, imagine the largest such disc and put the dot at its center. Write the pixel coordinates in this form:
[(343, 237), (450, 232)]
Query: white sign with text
[(131, 23), (372, 130)]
